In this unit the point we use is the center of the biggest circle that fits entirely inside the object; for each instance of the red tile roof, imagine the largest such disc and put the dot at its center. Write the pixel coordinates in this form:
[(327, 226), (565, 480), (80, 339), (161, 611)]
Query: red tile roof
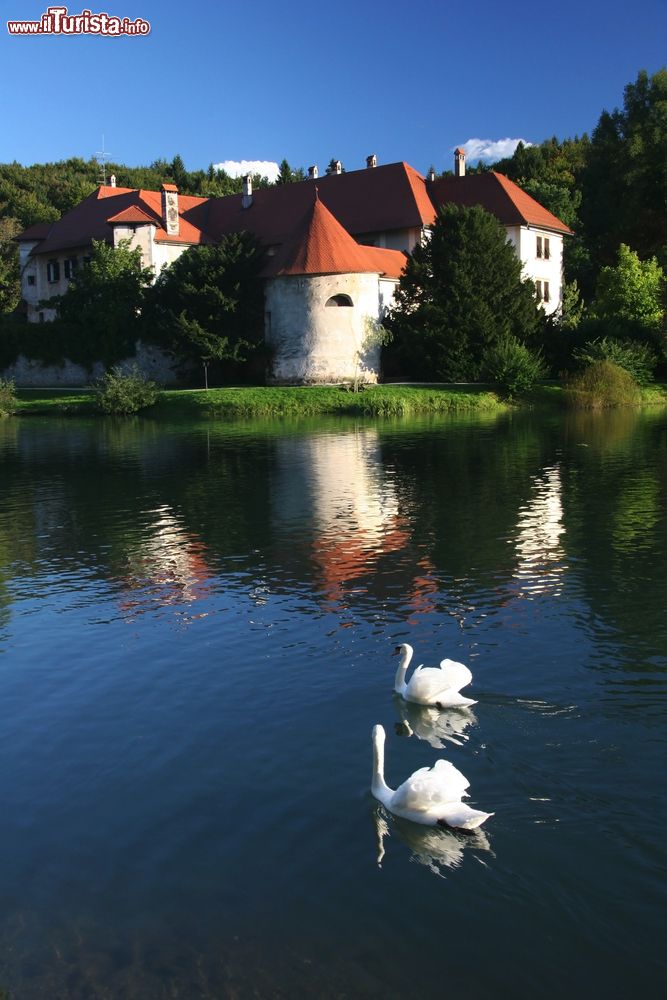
[(132, 216), (320, 245), (38, 231), (193, 217), (89, 220), (366, 201), (388, 198), (390, 263), (498, 195)]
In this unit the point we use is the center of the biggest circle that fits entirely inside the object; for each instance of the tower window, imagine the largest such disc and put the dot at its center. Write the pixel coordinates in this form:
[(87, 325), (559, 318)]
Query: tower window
[(339, 300)]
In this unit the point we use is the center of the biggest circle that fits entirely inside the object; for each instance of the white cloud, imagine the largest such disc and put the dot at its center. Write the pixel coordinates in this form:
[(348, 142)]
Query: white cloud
[(491, 149), (239, 168)]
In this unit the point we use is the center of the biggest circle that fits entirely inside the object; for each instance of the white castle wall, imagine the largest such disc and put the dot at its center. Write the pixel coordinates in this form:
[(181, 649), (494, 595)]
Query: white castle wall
[(313, 342), (29, 373)]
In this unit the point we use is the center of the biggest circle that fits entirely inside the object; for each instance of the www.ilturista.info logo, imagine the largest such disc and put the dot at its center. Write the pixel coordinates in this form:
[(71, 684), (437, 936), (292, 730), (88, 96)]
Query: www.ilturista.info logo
[(58, 21)]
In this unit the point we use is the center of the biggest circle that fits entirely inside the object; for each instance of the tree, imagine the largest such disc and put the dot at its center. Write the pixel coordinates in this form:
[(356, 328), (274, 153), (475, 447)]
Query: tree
[(287, 175), (209, 305), (332, 167), (625, 180), (10, 285), (103, 304), (461, 293), (629, 299)]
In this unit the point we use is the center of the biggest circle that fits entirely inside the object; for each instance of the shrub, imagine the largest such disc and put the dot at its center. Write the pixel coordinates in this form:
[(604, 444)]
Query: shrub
[(635, 357), (512, 366), (126, 391), (8, 400), (602, 383)]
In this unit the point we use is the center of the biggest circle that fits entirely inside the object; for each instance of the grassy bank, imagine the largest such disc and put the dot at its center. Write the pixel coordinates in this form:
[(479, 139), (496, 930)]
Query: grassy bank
[(385, 400), (381, 400)]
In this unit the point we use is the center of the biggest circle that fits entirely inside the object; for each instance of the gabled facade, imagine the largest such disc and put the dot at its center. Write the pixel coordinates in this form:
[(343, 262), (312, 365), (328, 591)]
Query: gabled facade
[(536, 234), (340, 237)]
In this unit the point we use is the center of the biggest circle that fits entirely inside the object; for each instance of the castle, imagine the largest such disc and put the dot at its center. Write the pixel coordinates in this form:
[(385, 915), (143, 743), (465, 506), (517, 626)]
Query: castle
[(336, 246)]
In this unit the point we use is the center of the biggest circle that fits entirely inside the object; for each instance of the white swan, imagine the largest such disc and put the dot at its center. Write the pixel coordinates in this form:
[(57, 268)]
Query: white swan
[(431, 796), (437, 686)]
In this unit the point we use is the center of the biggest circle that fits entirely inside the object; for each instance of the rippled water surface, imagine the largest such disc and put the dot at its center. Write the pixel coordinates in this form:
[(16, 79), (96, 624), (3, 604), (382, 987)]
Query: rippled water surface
[(196, 628)]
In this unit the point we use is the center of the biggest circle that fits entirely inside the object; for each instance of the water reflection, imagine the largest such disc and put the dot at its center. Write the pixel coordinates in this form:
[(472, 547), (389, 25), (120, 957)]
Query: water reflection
[(435, 848), (166, 565), (435, 726), (538, 541), (356, 518), (336, 484)]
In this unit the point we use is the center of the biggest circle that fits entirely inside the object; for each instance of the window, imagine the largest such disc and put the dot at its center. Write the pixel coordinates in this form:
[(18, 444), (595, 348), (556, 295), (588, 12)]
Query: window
[(53, 271), (41, 317), (542, 247), (542, 291), (70, 266), (339, 300), (31, 279)]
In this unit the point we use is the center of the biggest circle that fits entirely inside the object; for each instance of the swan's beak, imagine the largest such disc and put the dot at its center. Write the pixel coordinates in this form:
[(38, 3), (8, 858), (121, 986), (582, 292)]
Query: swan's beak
[(397, 650)]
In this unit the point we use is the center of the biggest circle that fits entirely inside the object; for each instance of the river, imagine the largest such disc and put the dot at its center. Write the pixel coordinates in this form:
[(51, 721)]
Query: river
[(197, 624)]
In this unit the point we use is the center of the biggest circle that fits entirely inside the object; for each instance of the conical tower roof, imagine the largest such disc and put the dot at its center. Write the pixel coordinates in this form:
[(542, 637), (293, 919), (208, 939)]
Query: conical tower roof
[(320, 245)]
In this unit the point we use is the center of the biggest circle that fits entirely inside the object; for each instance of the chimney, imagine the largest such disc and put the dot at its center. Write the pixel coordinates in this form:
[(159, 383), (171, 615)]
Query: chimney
[(371, 161), (112, 180), (313, 172), (337, 167), (246, 200), (170, 219), (431, 174), (459, 162)]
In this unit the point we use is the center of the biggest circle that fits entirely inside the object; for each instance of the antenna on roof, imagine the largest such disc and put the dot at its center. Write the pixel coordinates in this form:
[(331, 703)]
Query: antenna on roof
[(102, 158)]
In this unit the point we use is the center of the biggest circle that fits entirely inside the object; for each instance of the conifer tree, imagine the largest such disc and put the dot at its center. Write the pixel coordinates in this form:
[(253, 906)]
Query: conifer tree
[(461, 293)]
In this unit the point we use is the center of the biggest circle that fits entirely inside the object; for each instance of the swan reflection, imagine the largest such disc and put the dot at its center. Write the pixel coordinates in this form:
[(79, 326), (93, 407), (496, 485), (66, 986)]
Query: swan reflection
[(436, 726), (434, 847)]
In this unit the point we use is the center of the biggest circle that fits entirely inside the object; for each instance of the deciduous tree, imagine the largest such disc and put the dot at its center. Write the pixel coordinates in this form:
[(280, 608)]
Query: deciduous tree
[(209, 305), (103, 304)]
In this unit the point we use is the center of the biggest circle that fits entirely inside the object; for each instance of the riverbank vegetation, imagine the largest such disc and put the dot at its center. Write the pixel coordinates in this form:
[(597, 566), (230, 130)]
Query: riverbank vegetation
[(305, 401)]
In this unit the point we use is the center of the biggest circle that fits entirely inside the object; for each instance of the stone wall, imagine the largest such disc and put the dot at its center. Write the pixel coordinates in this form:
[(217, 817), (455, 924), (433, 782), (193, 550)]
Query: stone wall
[(29, 373), (313, 342)]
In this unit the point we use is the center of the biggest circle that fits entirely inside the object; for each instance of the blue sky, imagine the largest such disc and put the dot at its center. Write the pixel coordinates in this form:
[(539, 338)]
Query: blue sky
[(229, 81)]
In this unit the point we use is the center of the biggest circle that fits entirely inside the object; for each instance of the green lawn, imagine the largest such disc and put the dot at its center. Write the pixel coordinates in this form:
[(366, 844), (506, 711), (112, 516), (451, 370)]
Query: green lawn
[(381, 400)]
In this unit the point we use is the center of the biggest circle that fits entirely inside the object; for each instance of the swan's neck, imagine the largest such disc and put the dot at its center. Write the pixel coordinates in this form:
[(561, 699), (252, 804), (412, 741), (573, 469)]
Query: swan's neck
[(403, 664), (379, 786)]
